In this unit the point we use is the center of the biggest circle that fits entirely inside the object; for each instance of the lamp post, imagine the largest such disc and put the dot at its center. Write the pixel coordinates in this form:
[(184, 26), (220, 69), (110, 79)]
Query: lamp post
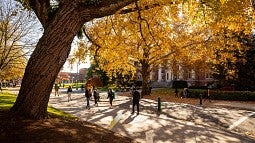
[(77, 76)]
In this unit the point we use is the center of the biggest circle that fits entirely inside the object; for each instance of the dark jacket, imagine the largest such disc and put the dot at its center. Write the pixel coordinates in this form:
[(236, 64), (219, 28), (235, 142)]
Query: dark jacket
[(136, 96), (69, 89), (96, 93), (87, 93), (110, 95)]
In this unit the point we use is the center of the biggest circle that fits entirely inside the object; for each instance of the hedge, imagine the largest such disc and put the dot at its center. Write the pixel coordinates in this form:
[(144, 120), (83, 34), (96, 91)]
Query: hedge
[(225, 95), (180, 84)]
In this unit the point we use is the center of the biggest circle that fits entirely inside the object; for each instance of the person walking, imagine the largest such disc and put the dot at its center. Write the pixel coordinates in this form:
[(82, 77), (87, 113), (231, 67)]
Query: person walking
[(69, 91), (176, 92), (184, 93), (188, 93), (110, 96), (56, 89), (208, 95), (87, 95), (96, 96), (136, 100)]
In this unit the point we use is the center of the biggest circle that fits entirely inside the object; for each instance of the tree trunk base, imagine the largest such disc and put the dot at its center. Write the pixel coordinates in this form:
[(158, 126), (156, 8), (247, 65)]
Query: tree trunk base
[(145, 92)]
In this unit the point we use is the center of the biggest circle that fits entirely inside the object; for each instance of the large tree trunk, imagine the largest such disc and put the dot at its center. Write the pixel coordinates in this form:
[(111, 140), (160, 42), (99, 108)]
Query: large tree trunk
[(145, 75), (45, 63)]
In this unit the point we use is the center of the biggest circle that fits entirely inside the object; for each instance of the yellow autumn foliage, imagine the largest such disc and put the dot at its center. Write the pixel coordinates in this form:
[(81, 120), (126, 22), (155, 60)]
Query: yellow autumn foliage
[(185, 33)]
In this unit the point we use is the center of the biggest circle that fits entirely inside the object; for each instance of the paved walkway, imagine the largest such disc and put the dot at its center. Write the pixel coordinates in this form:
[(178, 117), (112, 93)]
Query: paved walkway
[(176, 123)]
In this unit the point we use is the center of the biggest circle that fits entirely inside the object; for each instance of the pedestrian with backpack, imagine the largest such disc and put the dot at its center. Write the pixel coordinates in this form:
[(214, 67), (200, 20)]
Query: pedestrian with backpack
[(136, 100), (110, 96), (88, 95), (69, 91), (96, 96)]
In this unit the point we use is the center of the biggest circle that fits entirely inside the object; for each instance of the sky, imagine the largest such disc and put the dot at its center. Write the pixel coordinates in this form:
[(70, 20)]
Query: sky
[(86, 64), (74, 70)]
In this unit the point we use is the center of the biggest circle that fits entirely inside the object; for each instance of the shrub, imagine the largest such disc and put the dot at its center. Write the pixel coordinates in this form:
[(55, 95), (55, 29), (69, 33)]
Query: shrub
[(96, 81), (198, 87), (225, 95)]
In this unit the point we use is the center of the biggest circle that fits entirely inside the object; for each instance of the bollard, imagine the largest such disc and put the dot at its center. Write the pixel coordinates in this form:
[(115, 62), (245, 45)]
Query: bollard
[(159, 104), (200, 97)]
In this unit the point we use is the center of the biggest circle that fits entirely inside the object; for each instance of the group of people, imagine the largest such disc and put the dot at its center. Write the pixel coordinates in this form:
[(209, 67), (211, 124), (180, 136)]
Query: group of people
[(88, 94), (69, 91), (185, 93), (110, 95)]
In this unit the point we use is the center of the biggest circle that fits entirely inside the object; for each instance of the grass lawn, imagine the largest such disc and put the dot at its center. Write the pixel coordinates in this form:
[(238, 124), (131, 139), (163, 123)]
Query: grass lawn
[(7, 100)]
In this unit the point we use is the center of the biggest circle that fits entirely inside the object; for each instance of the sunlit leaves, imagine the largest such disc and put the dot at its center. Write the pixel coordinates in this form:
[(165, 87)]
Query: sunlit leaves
[(191, 34)]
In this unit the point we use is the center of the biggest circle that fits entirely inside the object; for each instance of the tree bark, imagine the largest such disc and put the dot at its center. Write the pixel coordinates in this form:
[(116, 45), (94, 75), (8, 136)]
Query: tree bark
[(45, 63), (145, 76)]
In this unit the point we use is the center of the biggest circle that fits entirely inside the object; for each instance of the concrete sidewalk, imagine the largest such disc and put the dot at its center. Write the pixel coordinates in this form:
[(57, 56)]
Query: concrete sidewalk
[(176, 122)]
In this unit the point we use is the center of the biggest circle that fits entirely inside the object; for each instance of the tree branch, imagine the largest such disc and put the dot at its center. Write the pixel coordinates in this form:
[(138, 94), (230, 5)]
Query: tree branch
[(105, 8), (157, 58), (41, 9), (134, 9), (93, 42)]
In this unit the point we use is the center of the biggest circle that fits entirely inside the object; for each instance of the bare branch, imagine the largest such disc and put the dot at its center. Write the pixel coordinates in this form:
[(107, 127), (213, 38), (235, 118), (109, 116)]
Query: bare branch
[(15, 26), (93, 42)]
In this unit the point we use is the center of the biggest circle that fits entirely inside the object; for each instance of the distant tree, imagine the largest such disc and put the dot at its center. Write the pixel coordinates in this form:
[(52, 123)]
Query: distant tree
[(245, 66), (16, 31), (246, 71), (94, 70)]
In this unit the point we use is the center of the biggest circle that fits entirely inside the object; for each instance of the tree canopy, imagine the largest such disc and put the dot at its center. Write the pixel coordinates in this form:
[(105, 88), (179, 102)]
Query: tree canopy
[(192, 34)]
